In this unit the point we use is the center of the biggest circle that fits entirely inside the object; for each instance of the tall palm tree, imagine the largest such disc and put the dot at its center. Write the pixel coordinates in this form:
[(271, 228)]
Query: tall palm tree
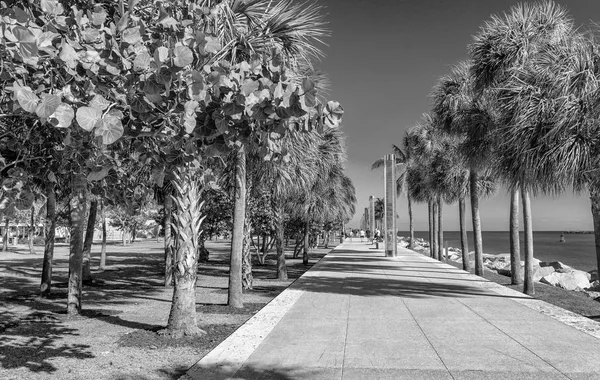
[(501, 49), (253, 30)]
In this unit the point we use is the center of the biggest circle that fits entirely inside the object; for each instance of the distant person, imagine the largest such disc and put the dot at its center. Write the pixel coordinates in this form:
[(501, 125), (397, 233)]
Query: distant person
[(562, 238), (362, 235)]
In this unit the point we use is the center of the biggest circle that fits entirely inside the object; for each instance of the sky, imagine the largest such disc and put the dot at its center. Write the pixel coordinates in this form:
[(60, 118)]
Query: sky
[(383, 57)]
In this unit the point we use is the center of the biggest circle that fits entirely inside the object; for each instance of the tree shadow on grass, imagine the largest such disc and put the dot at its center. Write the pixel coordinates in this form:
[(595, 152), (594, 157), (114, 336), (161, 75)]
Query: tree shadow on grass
[(32, 342)]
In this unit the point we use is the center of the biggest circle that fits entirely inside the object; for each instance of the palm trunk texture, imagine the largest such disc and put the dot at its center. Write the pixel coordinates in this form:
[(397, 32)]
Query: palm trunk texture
[(528, 287), (464, 241), (411, 227), (31, 231), (89, 239), (239, 215), (435, 230), (515, 249), (49, 228), (595, 204), (430, 212), (187, 222), (168, 243), (103, 249), (474, 177), (441, 251)]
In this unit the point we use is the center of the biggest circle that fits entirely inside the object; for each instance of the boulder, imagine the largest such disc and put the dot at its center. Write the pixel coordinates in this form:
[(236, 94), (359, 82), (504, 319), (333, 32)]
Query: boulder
[(593, 275), (539, 272), (575, 280), (557, 265)]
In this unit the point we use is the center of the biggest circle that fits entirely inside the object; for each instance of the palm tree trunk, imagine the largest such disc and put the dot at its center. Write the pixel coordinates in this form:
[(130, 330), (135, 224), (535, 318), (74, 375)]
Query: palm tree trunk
[(595, 205), (473, 178), (247, 278), (528, 287), (103, 249), (89, 239), (515, 249), (430, 212), (435, 229), (282, 274), (187, 220), (306, 242), (77, 206), (411, 227), (168, 243), (464, 242), (440, 229), (5, 236), (31, 231), (239, 215), (50, 228)]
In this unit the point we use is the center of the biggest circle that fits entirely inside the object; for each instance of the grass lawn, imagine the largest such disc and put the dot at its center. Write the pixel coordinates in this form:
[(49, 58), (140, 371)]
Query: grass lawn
[(115, 338)]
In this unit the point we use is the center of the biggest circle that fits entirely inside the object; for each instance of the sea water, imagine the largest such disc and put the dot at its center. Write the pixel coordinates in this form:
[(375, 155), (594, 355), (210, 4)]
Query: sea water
[(578, 250)]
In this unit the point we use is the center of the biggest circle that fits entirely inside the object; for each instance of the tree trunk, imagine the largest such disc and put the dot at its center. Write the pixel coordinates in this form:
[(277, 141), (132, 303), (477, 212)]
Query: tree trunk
[(464, 242), (440, 229), (89, 239), (279, 232), (473, 178), (411, 228), (6, 235), (306, 242), (435, 230), (342, 232), (188, 220), (103, 249), (77, 206), (31, 231), (124, 235), (168, 243), (515, 249), (326, 239), (430, 213), (528, 287), (595, 204), (247, 278), (50, 228), (237, 240)]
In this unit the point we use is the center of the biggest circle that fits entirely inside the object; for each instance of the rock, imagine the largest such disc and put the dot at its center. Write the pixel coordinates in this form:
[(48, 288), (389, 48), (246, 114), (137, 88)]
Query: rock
[(593, 275), (557, 265), (575, 280), (539, 272)]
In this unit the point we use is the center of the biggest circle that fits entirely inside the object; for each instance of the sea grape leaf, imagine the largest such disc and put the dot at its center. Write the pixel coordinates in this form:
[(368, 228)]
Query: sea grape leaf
[(87, 117), (68, 55), (99, 102), (111, 129), (132, 35), (161, 54), (98, 175), (23, 34), (183, 56), (249, 87), (52, 7), (63, 115), (142, 61), (212, 45), (47, 106), (27, 99)]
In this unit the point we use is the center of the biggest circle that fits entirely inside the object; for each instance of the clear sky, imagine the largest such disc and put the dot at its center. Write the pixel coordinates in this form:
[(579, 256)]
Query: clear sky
[(384, 57)]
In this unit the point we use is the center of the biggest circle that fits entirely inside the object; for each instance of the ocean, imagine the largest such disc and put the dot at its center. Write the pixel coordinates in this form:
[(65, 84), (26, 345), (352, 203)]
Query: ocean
[(577, 251)]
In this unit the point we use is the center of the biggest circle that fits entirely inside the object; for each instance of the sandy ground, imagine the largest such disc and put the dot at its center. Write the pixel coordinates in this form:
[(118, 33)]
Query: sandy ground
[(115, 337)]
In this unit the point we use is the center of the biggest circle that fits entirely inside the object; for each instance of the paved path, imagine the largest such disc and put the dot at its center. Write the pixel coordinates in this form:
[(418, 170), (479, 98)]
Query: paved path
[(359, 315)]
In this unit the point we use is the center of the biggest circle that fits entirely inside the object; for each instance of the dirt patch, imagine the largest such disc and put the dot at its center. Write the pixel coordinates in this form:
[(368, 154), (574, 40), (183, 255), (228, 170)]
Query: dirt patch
[(123, 308)]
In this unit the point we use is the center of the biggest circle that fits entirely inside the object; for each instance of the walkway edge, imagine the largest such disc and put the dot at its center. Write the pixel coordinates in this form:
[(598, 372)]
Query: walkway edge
[(228, 357), (567, 317)]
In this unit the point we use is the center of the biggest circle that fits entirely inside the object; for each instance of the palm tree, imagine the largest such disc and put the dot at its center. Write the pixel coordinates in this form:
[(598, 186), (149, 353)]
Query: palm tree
[(504, 46), (402, 158)]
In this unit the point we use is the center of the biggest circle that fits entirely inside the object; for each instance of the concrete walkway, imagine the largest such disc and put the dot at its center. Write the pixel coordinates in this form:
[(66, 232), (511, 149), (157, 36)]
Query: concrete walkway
[(360, 315)]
